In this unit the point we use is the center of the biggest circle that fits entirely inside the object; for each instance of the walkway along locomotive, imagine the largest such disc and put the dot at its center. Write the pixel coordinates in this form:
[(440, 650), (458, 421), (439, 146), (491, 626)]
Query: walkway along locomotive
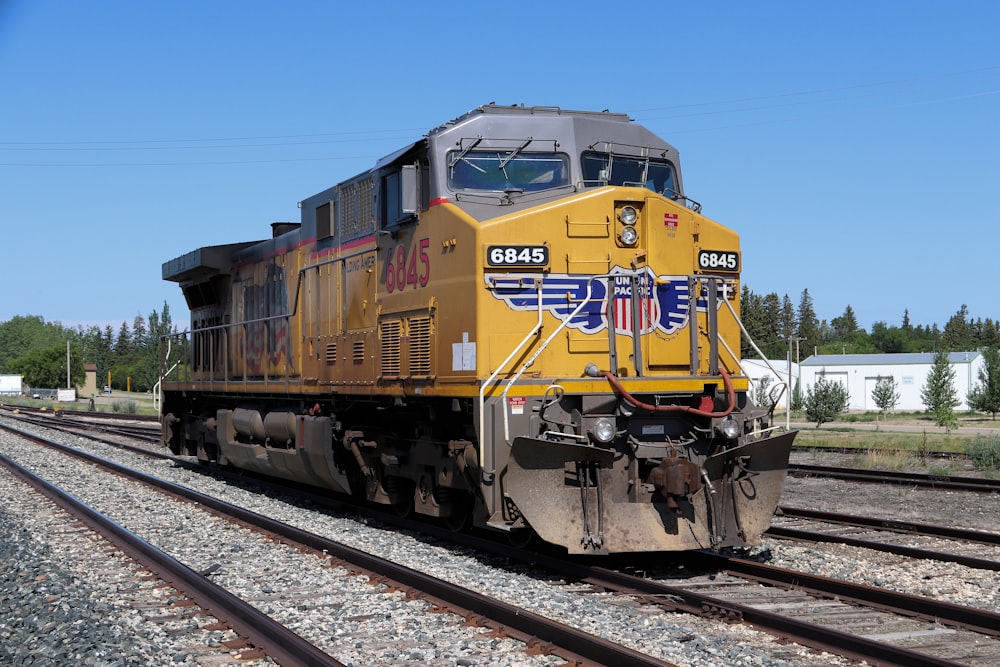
[(518, 321)]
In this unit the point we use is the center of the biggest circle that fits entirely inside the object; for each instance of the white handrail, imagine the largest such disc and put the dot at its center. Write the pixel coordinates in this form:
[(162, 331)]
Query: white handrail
[(482, 389)]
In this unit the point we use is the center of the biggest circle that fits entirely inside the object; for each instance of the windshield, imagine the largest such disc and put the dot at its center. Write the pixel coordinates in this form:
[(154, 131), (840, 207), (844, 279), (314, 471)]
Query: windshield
[(604, 169), (506, 171)]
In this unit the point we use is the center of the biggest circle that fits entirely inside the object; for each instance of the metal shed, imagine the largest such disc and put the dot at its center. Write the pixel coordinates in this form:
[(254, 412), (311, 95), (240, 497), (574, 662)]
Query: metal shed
[(860, 372)]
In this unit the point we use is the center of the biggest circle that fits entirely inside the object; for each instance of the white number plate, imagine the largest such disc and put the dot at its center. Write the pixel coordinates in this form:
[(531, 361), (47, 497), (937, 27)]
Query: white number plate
[(718, 260), (517, 255)]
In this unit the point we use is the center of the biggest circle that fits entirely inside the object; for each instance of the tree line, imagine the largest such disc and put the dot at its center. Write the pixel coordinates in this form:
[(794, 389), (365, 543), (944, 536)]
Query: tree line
[(773, 321), (36, 350)]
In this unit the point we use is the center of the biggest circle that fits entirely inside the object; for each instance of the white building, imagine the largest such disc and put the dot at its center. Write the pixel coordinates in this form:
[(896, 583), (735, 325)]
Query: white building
[(761, 374), (860, 372)]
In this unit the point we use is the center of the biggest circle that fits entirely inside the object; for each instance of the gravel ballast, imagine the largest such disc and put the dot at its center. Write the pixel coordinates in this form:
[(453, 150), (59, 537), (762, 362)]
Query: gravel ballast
[(362, 625)]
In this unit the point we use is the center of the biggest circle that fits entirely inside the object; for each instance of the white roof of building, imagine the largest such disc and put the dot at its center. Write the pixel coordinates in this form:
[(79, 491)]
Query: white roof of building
[(884, 359)]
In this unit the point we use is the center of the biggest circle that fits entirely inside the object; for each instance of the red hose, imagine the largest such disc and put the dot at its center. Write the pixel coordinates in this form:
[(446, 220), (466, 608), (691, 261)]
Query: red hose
[(730, 394)]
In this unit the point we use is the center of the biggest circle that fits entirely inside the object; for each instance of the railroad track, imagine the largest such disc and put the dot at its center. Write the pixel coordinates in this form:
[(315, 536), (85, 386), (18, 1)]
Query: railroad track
[(547, 635), (954, 629), (191, 596), (970, 548), (929, 481), (143, 428)]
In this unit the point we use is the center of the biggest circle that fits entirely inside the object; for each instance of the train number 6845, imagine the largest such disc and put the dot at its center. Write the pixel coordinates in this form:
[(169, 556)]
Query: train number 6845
[(517, 255), (719, 260)]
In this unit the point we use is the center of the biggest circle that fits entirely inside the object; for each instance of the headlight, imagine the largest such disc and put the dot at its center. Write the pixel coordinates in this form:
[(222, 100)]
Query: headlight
[(629, 236), (628, 215), (730, 428), (604, 430)]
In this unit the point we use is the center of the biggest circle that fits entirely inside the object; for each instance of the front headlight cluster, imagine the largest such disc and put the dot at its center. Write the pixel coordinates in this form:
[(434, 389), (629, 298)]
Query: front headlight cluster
[(628, 217)]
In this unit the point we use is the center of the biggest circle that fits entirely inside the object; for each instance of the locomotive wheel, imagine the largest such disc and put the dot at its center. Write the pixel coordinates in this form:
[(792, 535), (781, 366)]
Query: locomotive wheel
[(459, 517), (403, 507), (523, 538)]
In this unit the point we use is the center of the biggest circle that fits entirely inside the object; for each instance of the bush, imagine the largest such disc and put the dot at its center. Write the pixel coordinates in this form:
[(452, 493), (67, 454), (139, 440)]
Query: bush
[(826, 400), (985, 452), (129, 407)]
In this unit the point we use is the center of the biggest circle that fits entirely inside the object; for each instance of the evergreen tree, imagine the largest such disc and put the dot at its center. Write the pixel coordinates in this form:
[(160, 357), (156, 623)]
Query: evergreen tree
[(906, 321), (825, 400), (752, 316), (776, 345), (985, 396), (846, 323), (807, 326), (760, 391), (885, 395), (139, 333), (938, 393), (787, 328), (958, 331), (124, 343)]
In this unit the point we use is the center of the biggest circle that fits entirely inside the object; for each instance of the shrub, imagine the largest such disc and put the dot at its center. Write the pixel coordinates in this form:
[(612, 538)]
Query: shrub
[(985, 452), (128, 407), (825, 400)]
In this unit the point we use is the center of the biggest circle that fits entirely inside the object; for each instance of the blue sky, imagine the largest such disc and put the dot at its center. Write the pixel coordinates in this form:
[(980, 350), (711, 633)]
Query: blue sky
[(853, 144)]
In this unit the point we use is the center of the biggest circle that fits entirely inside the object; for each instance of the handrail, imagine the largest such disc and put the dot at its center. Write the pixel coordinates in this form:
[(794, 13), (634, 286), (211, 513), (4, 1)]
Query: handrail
[(787, 385), (482, 389), (541, 348), (300, 277)]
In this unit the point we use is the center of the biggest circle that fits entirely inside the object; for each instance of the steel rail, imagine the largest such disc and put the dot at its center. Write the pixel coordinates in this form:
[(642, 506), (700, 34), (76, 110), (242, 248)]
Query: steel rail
[(978, 620), (833, 641), (949, 482), (573, 642), (892, 524), (886, 547), (286, 647)]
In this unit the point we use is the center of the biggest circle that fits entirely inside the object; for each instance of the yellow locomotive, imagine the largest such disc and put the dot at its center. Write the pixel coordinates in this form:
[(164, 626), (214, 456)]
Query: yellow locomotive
[(518, 322)]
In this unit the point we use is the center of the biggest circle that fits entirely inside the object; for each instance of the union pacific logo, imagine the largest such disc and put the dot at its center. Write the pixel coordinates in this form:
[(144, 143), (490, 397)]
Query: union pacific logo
[(662, 302)]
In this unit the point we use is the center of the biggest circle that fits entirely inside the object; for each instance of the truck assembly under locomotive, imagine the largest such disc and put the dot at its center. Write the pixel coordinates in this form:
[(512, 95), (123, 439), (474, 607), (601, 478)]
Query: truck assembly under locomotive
[(518, 321)]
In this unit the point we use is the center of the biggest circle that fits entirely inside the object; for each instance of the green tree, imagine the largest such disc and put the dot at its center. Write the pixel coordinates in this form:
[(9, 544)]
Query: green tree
[(786, 329), (47, 368), (760, 391), (985, 396), (889, 339), (807, 326), (825, 400), (753, 318), (856, 342), (885, 395), (958, 331), (938, 393), (845, 324), (23, 335)]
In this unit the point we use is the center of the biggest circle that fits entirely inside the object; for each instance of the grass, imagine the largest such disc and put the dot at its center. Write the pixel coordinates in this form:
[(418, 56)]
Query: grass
[(128, 405), (985, 452), (917, 444), (896, 450)]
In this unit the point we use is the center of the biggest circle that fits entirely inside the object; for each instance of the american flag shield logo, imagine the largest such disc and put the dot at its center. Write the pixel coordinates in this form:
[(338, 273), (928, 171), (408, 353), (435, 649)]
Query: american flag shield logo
[(663, 302), (647, 308)]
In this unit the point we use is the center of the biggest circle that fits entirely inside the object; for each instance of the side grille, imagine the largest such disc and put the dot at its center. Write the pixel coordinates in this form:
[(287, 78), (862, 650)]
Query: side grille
[(420, 345), (391, 338)]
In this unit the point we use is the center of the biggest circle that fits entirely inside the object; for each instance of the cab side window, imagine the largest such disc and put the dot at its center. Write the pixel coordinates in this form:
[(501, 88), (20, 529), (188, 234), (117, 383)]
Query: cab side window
[(399, 196)]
